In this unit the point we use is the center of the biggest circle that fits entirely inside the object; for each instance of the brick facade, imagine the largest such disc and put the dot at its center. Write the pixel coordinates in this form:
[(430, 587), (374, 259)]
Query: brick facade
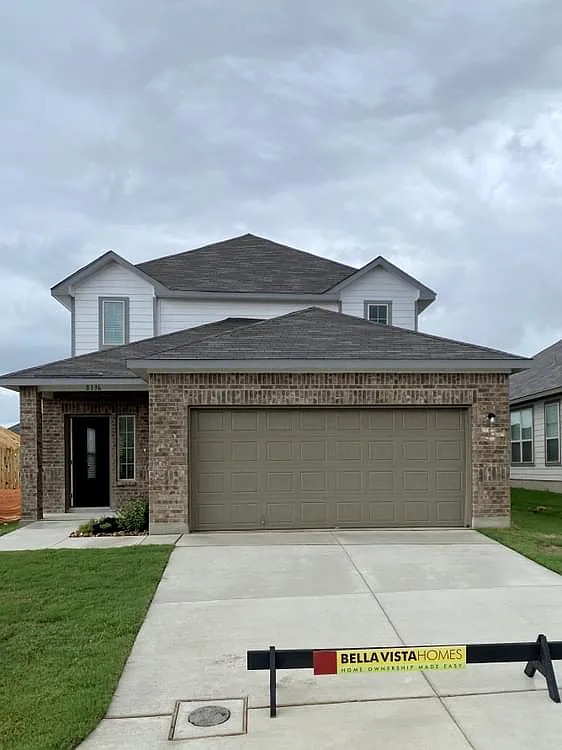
[(171, 396), (54, 475), (31, 429)]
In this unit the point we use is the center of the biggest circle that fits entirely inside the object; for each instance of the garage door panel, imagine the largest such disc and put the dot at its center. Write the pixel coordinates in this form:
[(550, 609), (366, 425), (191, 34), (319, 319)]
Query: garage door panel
[(449, 450), (348, 450), (277, 481), (381, 481), (279, 450), (381, 450), (383, 513), (416, 512), (448, 512), (315, 513), (244, 451), (414, 481), (349, 513), (313, 450), (449, 419), (449, 480), (415, 450), (244, 421), (306, 468)]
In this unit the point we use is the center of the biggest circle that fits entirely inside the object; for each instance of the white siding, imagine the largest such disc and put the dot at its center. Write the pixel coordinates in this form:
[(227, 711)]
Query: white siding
[(539, 471), (175, 314), (112, 281), (379, 285)]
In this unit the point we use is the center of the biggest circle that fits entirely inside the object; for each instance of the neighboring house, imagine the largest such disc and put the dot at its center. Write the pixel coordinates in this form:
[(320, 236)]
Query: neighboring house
[(249, 385), (535, 396)]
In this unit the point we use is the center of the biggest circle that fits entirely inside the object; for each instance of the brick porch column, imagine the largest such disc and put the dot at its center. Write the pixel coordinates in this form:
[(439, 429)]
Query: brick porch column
[(167, 467), (31, 452)]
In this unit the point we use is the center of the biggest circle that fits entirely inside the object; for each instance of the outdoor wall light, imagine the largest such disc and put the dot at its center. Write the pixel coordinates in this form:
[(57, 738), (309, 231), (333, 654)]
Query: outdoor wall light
[(491, 418)]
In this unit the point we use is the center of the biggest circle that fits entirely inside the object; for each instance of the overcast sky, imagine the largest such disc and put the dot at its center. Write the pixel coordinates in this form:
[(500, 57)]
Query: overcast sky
[(428, 131)]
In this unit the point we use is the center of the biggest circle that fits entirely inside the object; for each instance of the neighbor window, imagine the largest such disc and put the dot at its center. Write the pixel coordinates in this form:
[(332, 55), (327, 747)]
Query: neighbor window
[(114, 321), (378, 312), (126, 447), (522, 436), (552, 432)]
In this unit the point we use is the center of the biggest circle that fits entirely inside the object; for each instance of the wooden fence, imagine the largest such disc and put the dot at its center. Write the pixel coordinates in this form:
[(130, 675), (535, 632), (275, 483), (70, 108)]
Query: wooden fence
[(9, 460)]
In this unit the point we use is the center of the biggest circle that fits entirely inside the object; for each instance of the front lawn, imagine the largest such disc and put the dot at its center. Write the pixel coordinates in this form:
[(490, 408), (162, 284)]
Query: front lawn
[(536, 527), (68, 619), (5, 528)]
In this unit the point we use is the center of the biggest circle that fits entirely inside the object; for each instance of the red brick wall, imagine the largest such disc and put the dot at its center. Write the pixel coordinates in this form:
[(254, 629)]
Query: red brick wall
[(55, 413), (171, 395)]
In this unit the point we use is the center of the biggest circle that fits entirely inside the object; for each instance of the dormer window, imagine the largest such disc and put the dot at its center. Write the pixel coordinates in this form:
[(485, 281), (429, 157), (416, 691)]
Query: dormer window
[(114, 321), (379, 312)]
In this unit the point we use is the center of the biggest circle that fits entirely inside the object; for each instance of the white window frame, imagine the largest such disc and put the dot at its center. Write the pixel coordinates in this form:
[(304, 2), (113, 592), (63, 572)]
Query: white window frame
[(556, 461), (124, 301), (120, 464), (379, 303), (520, 440)]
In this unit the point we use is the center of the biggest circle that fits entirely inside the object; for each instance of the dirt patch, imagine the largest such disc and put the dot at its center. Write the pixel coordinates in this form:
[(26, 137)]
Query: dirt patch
[(10, 505)]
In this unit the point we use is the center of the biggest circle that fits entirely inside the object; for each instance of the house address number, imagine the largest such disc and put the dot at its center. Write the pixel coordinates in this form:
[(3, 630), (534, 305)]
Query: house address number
[(93, 387)]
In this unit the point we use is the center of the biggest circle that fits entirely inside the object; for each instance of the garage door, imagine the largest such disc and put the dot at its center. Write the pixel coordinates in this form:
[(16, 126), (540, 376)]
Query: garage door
[(326, 468)]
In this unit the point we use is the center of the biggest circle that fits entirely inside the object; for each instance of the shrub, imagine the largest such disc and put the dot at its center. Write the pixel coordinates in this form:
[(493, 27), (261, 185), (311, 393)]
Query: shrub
[(133, 516), (86, 528)]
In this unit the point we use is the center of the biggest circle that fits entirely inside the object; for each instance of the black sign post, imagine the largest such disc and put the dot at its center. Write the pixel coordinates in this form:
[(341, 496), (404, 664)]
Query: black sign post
[(538, 657)]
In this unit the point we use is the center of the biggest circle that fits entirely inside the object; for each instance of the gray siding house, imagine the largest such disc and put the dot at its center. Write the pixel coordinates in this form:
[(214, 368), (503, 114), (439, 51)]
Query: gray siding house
[(535, 396)]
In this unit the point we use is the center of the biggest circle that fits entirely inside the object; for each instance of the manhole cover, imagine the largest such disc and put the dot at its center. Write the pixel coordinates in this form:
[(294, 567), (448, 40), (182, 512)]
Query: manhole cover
[(209, 716)]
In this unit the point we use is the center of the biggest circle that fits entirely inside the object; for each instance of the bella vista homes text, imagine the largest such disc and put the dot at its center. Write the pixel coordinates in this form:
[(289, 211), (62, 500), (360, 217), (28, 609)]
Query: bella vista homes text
[(250, 385)]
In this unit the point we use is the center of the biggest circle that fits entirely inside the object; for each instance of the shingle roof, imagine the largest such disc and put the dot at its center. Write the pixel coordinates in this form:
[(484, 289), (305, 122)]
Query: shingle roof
[(543, 376), (247, 264), (315, 334), (112, 363)]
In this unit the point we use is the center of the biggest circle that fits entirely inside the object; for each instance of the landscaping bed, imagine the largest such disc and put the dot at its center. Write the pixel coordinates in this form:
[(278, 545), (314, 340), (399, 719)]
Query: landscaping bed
[(131, 520), (68, 620), (536, 527)]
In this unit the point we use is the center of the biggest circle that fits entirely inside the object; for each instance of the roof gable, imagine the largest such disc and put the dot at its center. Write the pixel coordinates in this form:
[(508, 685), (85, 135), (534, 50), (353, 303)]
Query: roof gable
[(426, 295), (63, 290), (246, 264)]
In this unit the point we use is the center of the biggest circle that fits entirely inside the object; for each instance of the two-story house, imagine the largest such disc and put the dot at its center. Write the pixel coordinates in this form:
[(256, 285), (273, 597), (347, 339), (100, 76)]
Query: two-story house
[(250, 385)]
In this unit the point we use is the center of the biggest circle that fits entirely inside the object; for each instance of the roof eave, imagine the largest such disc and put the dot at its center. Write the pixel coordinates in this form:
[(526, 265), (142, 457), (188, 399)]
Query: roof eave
[(255, 296), (144, 366), (90, 382), (539, 395)]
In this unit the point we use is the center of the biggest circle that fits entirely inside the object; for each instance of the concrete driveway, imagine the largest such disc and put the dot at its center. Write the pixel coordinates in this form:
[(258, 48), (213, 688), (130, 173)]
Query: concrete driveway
[(222, 594)]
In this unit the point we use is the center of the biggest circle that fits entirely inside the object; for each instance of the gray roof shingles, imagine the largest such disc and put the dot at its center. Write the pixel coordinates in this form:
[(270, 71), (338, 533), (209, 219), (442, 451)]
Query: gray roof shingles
[(247, 264), (112, 363), (315, 333), (543, 376)]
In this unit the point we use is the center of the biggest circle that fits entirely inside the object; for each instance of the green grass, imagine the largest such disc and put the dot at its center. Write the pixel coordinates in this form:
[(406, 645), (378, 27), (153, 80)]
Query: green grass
[(5, 528), (536, 527), (68, 619)]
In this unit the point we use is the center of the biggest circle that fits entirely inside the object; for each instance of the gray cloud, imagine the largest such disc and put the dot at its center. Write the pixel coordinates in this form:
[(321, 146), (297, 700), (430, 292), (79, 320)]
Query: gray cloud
[(427, 131)]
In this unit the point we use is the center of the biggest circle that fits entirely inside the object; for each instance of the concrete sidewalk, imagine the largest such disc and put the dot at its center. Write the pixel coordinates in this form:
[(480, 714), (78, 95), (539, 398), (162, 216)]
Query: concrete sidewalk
[(54, 533), (222, 594)]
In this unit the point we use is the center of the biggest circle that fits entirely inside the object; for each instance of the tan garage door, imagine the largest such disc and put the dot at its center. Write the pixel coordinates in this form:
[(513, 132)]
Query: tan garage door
[(326, 468)]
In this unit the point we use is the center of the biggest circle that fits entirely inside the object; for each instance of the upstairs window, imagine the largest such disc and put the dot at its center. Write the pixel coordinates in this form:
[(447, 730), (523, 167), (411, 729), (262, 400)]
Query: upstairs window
[(114, 321), (378, 312), (522, 436), (552, 432)]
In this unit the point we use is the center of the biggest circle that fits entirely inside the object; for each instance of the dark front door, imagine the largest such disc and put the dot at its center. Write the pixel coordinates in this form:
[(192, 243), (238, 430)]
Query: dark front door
[(90, 461)]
